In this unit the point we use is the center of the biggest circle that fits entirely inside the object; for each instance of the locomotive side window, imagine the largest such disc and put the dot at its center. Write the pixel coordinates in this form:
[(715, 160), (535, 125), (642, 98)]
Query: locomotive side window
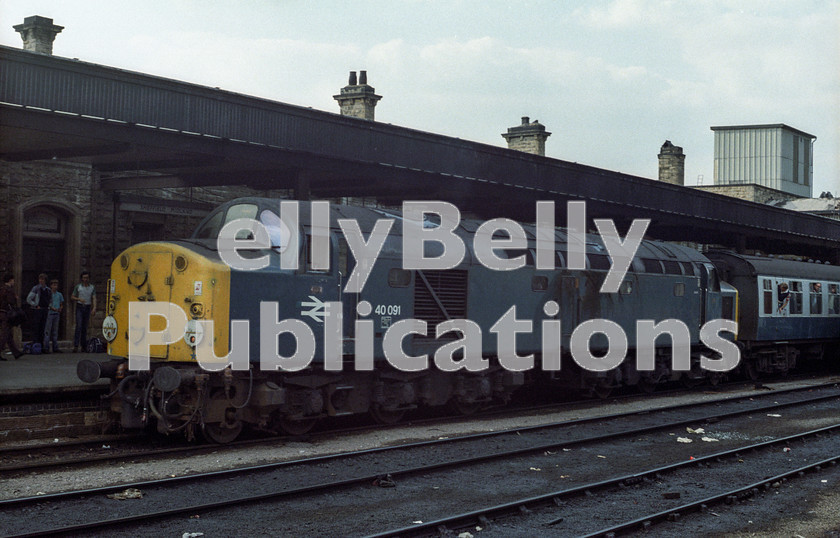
[(834, 299), (672, 267), (688, 269), (343, 254), (399, 278), (816, 299), (767, 290), (626, 287), (651, 265), (599, 262), (308, 256), (679, 289), (539, 283), (795, 297)]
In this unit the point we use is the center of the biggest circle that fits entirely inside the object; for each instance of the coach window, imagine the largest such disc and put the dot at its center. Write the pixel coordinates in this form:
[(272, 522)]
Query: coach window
[(816, 299), (834, 299), (795, 297), (767, 292)]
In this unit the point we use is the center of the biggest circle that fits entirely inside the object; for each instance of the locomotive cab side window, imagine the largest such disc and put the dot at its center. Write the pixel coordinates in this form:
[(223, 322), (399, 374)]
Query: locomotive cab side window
[(210, 229)]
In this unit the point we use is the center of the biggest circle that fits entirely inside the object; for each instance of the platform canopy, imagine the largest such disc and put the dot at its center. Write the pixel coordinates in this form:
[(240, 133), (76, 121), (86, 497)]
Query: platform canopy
[(141, 131)]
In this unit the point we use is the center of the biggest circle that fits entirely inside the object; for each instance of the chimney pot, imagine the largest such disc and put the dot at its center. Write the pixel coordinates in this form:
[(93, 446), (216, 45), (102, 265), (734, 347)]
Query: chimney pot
[(38, 33), (362, 77), (352, 81), (525, 120)]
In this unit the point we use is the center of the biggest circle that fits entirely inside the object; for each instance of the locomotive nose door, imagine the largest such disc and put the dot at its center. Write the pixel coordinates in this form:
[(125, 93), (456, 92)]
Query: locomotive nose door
[(149, 280)]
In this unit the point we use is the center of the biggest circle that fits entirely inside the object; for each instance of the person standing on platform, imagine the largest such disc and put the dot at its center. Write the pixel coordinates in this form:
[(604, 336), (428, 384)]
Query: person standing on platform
[(53, 318), (8, 299), (39, 300), (85, 296)]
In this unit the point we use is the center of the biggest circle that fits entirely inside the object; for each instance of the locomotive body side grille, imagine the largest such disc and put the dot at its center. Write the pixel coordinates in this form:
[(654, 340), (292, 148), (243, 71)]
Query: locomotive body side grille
[(439, 296)]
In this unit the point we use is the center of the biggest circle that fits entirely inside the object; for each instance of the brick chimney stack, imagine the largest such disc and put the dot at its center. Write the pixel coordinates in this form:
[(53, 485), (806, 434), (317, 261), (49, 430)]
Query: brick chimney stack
[(671, 164), (38, 34), (528, 137), (357, 99)]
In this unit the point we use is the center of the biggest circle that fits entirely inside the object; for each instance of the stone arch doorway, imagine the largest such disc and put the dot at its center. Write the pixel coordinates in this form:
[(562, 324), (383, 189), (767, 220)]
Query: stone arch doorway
[(48, 244)]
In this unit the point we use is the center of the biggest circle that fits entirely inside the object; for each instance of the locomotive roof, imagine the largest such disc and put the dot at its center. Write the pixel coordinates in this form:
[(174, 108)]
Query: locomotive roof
[(760, 265), (367, 217)]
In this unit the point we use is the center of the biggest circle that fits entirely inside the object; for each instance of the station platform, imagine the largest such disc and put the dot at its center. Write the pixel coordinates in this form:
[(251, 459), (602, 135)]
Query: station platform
[(46, 374)]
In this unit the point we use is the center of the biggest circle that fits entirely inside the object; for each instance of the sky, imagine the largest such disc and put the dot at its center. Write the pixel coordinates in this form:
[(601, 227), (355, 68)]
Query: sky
[(610, 79)]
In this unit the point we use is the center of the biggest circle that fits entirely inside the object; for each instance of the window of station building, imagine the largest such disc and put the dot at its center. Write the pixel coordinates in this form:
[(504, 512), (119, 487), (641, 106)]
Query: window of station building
[(599, 262), (679, 289), (672, 267), (399, 278), (795, 297), (816, 302), (688, 268), (834, 299), (767, 291), (651, 265)]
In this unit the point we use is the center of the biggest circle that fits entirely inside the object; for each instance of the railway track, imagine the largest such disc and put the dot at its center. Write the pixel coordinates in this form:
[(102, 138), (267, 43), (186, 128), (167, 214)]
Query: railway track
[(119, 448), (350, 475)]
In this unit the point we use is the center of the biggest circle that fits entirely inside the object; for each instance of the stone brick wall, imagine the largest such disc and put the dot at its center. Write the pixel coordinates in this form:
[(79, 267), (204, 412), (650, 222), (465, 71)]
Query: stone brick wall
[(94, 227), (749, 191)]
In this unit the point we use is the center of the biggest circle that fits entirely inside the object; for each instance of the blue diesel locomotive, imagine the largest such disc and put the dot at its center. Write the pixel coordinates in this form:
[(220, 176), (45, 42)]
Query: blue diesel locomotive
[(480, 333)]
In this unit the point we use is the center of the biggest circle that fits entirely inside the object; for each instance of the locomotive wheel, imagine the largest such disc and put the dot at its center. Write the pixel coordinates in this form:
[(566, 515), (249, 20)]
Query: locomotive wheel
[(222, 432), (386, 416), (295, 427), (225, 431)]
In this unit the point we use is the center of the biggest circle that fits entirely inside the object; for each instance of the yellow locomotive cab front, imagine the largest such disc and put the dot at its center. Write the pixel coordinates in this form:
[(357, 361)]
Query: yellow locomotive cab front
[(177, 277)]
